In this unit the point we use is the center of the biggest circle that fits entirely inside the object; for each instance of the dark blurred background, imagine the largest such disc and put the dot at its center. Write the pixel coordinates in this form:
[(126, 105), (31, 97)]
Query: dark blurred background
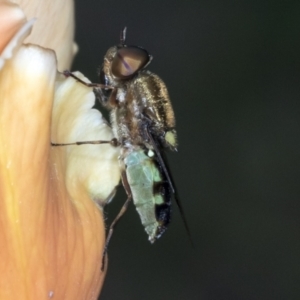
[(233, 73)]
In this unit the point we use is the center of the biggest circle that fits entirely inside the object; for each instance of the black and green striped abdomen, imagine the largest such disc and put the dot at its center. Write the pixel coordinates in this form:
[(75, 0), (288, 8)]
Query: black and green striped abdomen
[(150, 192)]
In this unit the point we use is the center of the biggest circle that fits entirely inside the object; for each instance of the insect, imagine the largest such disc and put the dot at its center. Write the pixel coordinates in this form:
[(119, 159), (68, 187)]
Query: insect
[(143, 123)]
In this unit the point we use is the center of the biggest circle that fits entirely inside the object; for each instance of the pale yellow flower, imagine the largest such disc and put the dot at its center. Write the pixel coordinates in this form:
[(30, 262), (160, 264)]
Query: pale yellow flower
[(51, 224)]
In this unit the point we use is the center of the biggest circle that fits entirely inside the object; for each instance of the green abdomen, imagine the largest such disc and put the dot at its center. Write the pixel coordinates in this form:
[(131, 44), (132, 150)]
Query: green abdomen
[(150, 192)]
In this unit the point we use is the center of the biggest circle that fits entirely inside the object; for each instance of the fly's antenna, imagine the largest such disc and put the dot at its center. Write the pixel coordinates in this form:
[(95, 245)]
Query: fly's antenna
[(123, 36)]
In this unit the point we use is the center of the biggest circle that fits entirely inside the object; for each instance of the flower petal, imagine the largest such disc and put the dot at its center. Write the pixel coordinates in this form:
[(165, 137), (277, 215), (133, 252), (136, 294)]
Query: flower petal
[(11, 19), (51, 243), (54, 27), (94, 166), (15, 42), (22, 173)]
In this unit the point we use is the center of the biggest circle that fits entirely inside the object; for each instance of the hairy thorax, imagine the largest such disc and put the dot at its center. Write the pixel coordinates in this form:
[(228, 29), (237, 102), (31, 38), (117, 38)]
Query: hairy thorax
[(140, 105)]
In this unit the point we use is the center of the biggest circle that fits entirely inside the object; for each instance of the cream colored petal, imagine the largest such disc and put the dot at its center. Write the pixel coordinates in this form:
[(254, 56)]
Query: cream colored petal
[(93, 166), (54, 27)]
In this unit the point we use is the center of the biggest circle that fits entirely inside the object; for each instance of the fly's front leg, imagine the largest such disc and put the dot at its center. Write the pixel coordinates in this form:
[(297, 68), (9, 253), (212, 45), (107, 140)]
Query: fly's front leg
[(114, 142), (103, 92), (67, 73), (117, 218)]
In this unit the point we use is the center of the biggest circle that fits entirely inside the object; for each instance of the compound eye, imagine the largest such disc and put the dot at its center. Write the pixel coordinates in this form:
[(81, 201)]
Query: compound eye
[(128, 61)]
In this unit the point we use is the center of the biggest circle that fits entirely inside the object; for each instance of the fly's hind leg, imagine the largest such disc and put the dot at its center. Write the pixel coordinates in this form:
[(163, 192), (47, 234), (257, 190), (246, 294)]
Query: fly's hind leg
[(117, 218)]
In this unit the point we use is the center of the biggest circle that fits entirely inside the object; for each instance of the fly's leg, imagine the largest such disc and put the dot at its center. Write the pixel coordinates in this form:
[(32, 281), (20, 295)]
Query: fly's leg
[(100, 90), (117, 218), (114, 142), (67, 73)]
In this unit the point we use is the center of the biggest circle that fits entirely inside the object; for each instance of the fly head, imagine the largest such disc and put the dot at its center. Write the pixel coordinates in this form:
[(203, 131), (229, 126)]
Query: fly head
[(123, 62)]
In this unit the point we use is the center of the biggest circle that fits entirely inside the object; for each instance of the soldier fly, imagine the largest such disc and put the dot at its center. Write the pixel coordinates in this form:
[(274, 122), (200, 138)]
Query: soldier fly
[(143, 123)]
